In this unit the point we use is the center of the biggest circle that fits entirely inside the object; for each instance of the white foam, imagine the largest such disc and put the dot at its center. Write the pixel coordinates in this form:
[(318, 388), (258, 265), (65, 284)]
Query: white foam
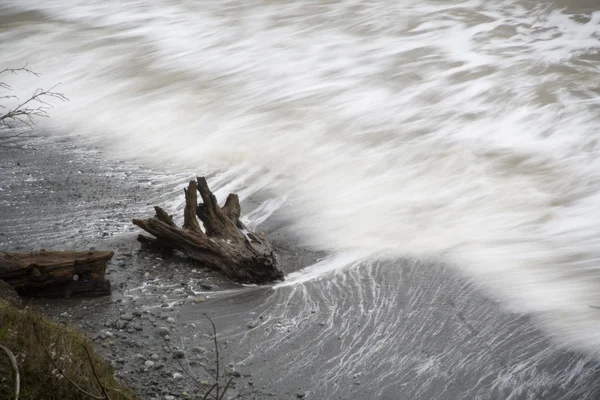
[(464, 129)]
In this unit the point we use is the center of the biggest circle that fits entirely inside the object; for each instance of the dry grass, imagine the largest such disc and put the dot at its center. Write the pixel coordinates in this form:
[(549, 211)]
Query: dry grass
[(30, 336)]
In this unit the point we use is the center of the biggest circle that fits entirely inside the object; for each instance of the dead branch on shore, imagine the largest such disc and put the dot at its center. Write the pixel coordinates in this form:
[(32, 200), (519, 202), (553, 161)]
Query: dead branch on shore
[(56, 273), (224, 245), (25, 112), (223, 378)]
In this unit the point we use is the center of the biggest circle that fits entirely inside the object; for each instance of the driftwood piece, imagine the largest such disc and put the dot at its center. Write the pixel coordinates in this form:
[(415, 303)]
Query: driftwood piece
[(56, 273), (224, 244)]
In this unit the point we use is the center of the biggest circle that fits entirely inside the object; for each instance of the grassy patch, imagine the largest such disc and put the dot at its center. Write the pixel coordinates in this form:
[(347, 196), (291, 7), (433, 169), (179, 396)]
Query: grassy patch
[(30, 336)]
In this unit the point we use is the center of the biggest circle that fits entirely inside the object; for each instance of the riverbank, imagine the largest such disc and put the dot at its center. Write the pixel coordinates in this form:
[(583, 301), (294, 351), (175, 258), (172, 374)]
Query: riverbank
[(338, 329), (55, 196)]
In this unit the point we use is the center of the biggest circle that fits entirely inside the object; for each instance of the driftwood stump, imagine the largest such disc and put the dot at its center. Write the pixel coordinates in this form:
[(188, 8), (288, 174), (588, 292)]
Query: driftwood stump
[(56, 273), (224, 245)]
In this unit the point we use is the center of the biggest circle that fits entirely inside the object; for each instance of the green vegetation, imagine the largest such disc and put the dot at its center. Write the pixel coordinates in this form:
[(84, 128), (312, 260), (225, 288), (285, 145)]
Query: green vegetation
[(33, 339)]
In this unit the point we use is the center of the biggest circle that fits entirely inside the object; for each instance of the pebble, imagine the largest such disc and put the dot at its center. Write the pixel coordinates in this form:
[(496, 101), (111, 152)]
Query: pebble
[(169, 397), (158, 366), (126, 317), (122, 264), (252, 324), (149, 363), (163, 331), (300, 394), (199, 350), (108, 334), (177, 376), (207, 286), (121, 324), (137, 313), (155, 357), (171, 320), (236, 374), (178, 353), (137, 326)]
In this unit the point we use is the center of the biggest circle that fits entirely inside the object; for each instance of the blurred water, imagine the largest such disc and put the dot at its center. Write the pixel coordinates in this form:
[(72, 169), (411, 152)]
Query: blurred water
[(458, 131)]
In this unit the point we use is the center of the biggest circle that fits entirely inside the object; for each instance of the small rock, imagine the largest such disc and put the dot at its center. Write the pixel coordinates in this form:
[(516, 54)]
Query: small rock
[(121, 324), (198, 350), (155, 357), (108, 323), (169, 397), (177, 376), (137, 313), (158, 366), (236, 374), (139, 357), (122, 264), (252, 324), (321, 323), (137, 326), (171, 320), (300, 394), (127, 317), (163, 331), (178, 353), (108, 334), (149, 363), (65, 314), (207, 286)]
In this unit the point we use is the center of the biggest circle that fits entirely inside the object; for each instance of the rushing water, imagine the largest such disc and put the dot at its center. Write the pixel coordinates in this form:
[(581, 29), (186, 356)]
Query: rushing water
[(456, 132)]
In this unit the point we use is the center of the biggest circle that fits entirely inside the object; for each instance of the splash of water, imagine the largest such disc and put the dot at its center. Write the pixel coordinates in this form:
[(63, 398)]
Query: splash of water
[(458, 130)]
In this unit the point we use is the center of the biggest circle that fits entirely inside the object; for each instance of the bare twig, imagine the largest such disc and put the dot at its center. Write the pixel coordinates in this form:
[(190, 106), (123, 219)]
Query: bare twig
[(187, 372), (25, 112), (210, 390), (15, 71), (94, 372), (34, 106), (226, 388), (60, 370), (15, 366), (222, 379), (216, 344)]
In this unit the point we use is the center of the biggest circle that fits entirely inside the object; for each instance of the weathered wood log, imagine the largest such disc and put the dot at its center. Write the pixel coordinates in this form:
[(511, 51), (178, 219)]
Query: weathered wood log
[(56, 273), (224, 245)]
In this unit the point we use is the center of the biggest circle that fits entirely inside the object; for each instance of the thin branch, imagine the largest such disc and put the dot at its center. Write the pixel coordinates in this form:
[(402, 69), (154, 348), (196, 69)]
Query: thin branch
[(226, 388), (83, 391), (210, 390), (15, 71), (25, 111), (15, 366), (188, 373), (216, 343), (94, 372)]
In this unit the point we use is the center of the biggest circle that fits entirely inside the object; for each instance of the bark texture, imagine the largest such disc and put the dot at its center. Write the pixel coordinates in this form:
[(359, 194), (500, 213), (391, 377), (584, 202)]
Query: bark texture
[(224, 244), (56, 273)]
